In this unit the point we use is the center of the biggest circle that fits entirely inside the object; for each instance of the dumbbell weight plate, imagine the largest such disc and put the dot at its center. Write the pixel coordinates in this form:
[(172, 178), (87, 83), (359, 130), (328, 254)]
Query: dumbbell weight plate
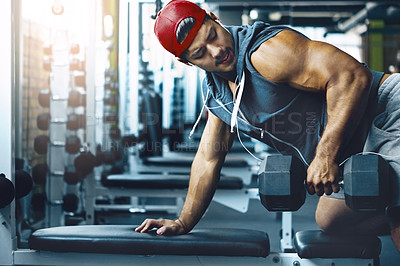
[(23, 184), (85, 162), (43, 121), (115, 133), (76, 122), (44, 98), (281, 183), (366, 182), (71, 176), (76, 99), (72, 144), (39, 173), (40, 144), (7, 191)]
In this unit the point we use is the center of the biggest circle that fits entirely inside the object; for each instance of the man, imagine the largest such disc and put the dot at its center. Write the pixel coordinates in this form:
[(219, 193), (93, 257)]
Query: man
[(303, 97)]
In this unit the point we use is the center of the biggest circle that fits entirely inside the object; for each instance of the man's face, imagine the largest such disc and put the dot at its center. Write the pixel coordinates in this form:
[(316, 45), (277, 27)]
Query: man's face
[(212, 48)]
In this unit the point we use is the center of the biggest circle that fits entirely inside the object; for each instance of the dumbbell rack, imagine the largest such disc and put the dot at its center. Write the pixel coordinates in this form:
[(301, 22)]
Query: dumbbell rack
[(61, 85)]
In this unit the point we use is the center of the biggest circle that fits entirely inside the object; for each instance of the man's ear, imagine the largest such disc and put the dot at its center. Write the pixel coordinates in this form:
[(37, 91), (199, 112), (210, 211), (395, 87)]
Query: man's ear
[(213, 16), (183, 61)]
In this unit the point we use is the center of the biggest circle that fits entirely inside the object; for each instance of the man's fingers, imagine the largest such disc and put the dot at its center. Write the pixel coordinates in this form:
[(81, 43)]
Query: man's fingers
[(319, 189), (328, 188), (147, 225), (310, 188), (310, 185), (161, 230), (335, 188), (140, 227)]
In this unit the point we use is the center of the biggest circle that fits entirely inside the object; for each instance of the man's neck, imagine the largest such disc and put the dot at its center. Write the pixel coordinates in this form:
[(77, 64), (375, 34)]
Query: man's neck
[(231, 75)]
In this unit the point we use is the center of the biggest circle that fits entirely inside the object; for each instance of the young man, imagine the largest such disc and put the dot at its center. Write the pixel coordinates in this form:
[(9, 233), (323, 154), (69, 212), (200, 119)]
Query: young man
[(302, 97)]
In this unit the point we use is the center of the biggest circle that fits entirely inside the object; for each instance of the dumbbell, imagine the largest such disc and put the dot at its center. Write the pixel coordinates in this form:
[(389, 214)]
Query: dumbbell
[(23, 184), (7, 191), (76, 99), (47, 63), (85, 162), (76, 122), (39, 173), (43, 121), (80, 80), (40, 144), (281, 183), (72, 144), (47, 48), (365, 182), (72, 176), (74, 49), (44, 98), (115, 133)]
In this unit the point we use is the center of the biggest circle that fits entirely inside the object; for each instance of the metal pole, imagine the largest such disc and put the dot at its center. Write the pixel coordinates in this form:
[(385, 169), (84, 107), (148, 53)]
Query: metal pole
[(7, 215)]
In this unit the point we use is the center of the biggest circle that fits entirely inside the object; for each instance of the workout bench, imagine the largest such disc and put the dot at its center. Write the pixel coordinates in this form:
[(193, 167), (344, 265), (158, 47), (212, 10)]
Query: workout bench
[(121, 245)]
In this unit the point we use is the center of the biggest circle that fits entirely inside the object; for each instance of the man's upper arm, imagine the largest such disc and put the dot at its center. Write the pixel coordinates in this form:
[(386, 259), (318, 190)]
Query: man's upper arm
[(216, 140), (302, 63)]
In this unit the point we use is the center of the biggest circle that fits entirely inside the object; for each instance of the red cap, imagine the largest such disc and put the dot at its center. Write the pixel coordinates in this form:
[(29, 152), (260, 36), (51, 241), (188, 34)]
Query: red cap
[(168, 20)]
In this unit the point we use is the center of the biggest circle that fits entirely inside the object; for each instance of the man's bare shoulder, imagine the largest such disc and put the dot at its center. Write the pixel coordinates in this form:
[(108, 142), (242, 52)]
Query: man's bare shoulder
[(276, 56), (285, 40)]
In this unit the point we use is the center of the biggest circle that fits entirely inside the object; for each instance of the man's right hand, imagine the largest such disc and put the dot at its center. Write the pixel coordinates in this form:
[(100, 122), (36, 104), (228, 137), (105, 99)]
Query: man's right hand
[(164, 226)]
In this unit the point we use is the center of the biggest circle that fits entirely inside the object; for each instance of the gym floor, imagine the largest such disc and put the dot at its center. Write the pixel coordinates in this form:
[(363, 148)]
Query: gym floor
[(257, 217)]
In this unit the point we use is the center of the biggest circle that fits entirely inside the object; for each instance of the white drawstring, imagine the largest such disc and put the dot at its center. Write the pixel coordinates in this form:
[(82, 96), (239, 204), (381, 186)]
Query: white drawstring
[(234, 122), (237, 101), (199, 117), (202, 110)]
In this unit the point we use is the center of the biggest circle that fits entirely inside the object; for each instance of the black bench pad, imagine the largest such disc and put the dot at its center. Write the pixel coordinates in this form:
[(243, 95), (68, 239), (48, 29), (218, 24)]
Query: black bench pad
[(161, 181), (122, 239), (317, 244)]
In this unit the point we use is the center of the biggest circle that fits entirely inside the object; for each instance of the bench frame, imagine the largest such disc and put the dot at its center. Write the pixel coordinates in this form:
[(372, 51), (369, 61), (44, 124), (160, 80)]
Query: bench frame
[(34, 257)]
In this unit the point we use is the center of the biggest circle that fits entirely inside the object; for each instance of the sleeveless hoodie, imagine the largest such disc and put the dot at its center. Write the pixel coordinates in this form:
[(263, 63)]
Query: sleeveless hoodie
[(287, 119)]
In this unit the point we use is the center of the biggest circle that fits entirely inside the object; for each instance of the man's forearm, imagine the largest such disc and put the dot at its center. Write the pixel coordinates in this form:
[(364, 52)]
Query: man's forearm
[(205, 171), (203, 182)]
